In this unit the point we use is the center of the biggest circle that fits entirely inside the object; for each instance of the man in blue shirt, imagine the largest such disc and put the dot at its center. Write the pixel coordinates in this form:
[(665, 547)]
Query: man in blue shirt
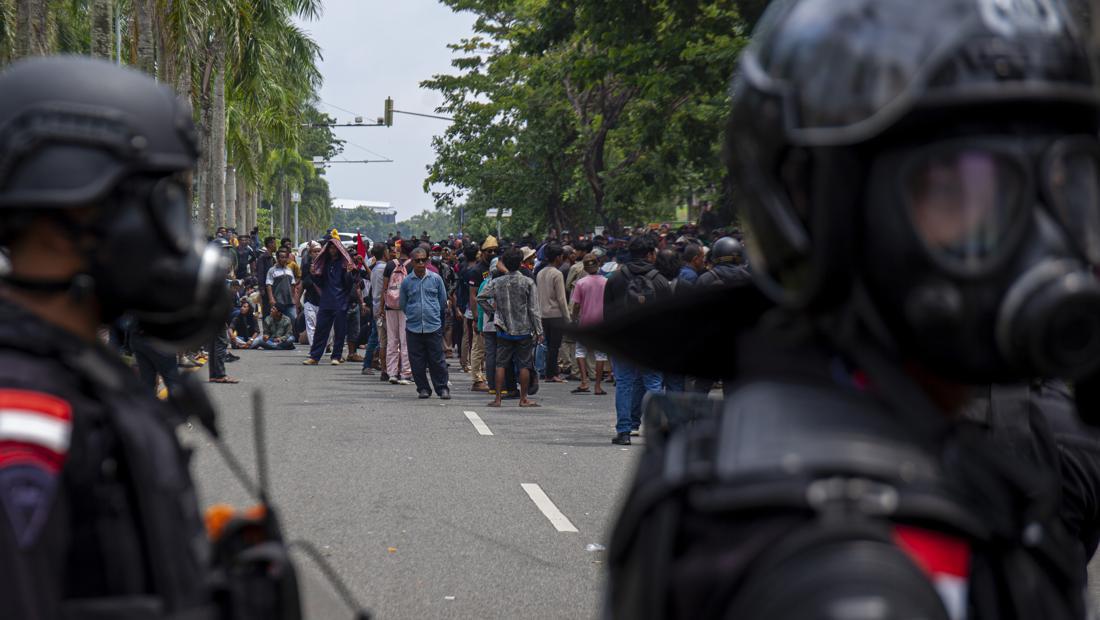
[(424, 300), (693, 258), (332, 274)]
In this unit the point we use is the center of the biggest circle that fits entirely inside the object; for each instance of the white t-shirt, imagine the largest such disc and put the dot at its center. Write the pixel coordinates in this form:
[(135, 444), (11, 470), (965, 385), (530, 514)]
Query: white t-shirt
[(277, 272)]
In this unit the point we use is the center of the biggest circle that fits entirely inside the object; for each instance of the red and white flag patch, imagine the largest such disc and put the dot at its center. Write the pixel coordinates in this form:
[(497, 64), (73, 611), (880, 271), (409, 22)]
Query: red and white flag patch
[(35, 431), (946, 561)]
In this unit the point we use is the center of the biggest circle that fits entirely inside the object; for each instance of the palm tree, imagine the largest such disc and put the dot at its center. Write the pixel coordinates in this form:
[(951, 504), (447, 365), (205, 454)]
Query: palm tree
[(102, 27), (144, 35), (32, 28)]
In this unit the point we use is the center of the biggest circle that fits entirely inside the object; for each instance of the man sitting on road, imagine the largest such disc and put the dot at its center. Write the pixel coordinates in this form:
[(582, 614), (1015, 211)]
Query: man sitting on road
[(513, 302), (423, 299), (278, 332)]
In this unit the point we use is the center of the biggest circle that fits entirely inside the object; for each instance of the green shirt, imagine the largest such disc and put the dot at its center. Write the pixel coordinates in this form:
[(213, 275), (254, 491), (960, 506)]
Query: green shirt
[(277, 330)]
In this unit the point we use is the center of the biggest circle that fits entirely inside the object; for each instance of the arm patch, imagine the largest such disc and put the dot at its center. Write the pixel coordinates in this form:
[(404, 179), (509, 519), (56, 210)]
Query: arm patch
[(35, 430)]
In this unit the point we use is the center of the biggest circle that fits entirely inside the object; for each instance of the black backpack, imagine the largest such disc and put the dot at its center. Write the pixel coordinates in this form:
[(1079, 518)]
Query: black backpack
[(641, 290)]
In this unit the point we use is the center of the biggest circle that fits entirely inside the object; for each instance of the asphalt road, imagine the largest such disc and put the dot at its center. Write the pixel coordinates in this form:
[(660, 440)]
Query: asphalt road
[(420, 512)]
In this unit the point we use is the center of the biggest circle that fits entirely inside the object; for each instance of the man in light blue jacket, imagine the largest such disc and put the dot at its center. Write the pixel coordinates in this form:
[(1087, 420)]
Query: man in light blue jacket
[(424, 300)]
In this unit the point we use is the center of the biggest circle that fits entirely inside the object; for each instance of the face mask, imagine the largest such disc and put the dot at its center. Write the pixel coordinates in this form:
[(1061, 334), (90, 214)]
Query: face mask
[(172, 282), (983, 254)]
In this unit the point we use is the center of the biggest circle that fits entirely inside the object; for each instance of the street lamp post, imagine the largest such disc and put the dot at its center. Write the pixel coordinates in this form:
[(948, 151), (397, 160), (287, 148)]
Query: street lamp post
[(296, 198)]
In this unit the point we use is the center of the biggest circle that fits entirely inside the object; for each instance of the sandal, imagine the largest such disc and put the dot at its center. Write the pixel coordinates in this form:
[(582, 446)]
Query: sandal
[(600, 393), (225, 380), (493, 404), (579, 390), (529, 403)]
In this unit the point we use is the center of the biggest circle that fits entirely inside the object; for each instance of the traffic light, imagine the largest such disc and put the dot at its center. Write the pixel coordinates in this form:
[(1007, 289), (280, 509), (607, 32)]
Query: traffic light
[(389, 112)]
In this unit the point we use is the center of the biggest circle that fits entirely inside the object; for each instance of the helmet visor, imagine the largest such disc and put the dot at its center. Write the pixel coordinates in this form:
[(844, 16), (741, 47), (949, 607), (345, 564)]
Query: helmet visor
[(964, 201)]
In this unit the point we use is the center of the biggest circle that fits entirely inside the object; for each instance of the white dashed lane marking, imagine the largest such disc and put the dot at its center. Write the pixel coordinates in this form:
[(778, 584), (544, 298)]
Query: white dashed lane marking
[(557, 519), (480, 426)]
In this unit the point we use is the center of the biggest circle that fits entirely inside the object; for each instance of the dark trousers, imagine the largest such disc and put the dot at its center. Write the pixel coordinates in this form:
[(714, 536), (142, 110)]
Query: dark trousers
[(490, 359), (372, 344), (152, 362), (456, 335), (553, 329), (327, 321), (215, 361), (352, 329), (426, 355), (366, 327)]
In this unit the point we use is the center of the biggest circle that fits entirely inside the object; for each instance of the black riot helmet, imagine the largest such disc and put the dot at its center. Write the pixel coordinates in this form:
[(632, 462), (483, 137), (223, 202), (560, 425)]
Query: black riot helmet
[(727, 250), (940, 156), (76, 133)]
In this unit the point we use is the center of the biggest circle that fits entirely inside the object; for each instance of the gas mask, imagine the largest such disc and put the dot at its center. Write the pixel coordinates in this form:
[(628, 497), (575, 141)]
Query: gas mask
[(984, 252), (149, 260)]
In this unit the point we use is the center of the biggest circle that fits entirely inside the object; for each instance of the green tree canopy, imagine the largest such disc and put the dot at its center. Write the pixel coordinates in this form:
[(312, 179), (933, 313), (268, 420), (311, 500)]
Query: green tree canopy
[(576, 113)]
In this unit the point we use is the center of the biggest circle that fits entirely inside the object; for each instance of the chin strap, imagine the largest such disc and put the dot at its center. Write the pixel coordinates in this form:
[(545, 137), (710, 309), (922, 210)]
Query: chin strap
[(79, 286)]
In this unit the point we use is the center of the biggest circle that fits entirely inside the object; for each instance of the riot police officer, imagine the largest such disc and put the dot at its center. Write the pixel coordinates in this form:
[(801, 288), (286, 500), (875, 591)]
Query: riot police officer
[(728, 258), (98, 516), (921, 191)]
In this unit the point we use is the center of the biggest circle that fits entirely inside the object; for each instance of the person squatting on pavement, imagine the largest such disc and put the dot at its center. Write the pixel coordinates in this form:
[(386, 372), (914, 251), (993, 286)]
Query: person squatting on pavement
[(921, 186), (99, 517), (333, 273), (423, 301)]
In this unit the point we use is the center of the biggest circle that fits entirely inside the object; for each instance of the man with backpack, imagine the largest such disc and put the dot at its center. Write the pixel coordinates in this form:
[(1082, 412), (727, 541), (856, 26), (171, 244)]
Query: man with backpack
[(397, 349), (631, 287)]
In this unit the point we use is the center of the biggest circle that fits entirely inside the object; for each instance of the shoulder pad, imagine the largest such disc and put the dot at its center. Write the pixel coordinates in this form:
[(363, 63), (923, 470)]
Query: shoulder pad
[(844, 580)]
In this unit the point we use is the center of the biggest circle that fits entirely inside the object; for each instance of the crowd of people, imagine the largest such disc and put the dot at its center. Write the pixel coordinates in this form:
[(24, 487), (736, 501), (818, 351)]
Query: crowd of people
[(503, 310)]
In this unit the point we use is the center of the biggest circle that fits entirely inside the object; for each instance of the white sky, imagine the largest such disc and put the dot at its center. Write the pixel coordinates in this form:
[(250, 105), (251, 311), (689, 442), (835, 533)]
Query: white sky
[(373, 49)]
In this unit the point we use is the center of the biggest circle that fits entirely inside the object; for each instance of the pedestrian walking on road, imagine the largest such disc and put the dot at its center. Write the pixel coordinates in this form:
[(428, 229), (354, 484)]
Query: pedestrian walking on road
[(333, 273), (423, 300), (513, 302)]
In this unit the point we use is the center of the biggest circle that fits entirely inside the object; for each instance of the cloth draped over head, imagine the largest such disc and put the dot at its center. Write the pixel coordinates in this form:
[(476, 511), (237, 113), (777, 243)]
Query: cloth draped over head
[(321, 262)]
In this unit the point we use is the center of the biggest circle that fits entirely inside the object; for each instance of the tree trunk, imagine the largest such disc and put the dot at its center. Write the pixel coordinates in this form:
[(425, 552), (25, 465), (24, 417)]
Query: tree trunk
[(231, 196), (144, 16), (217, 146), (202, 168), (32, 33), (254, 208), (244, 205), (102, 28)]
